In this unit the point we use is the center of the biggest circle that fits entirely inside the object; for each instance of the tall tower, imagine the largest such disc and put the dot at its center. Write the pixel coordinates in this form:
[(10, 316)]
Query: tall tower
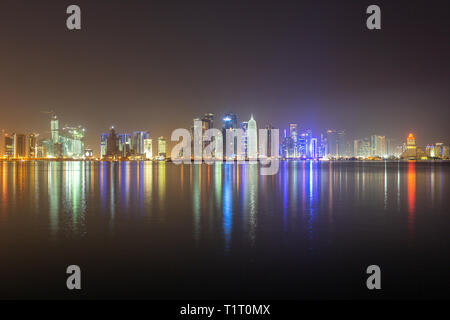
[(252, 139), (411, 142), (229, 124), (54, 125), (148, 148), (162, 147)]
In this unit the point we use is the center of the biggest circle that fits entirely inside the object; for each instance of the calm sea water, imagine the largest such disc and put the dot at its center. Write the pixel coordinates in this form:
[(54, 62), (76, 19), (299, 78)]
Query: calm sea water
[(158, 230)]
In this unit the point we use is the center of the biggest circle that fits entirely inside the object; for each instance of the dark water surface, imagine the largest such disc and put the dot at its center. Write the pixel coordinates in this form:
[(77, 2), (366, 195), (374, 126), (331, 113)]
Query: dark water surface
[(157, 230)]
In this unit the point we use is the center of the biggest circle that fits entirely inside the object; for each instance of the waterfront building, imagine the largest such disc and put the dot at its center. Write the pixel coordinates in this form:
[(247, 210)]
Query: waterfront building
[(20, 143), (8, 146), (252, 139), (138, 142), (103, 145), (112, 150), (148, 149), (124, 144), (313, 149), (378, 146), (33, 145), (336, 143), (268, 151), (229, 123), (72, 141), (162, 148), (412, 152), (293, 145), (54, 127), (244, 139)]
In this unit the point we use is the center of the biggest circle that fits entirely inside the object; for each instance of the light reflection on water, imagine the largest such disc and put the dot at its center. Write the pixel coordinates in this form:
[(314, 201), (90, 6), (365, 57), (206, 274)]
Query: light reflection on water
[(231, 204)]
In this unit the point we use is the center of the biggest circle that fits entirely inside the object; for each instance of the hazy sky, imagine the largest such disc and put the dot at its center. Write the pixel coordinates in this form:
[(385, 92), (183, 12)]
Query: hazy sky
[(156, 65)]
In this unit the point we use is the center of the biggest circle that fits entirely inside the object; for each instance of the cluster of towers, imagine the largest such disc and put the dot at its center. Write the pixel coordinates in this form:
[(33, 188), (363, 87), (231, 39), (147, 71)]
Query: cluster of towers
[(233, 141), (67, 142), (137, 146)]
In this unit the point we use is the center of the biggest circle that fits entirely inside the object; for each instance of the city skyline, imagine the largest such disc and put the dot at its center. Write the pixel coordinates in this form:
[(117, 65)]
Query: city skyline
[(295, 142)]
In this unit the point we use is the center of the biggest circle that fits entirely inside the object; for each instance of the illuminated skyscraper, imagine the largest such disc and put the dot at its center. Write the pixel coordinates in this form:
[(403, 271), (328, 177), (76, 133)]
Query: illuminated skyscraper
[(357, 148), (229, 125), (197, 139), (378, 146), (112, 149), (148, 149), (293, 129), (103, 144), (313, 149), (244, 140), (162, 147), (33, 145), (268, 149), (337, 144), (54, 126), (229, 121), (125, 143), (252, 139), (293, 148), (138, 142), (9, 146), (72, 140), (412, 152), (208, 121), (20, 142), (411, 142)]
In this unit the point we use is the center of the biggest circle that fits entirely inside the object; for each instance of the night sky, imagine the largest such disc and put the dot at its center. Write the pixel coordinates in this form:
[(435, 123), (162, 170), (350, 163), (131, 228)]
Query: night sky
[(156, 65)]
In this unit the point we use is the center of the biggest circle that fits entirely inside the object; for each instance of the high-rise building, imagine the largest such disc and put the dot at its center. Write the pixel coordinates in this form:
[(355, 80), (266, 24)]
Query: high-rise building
[(112, 149), (148, 149), (20, 143), (337, 143), (293, 143), (125, 144), (138, 142), (72, 140), (9, 146), (229, 121), (412, 152), (208, 121), (244, 140), (103, 144), (323, 147), (33, 145), (252, 139), (229, 125), (293, 129), (2, 142), (268, 150), (303, 144), (313, 149), (411, 142), (357, 148), (54, 126), (197, 139), (378, 146), (162, 147)]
